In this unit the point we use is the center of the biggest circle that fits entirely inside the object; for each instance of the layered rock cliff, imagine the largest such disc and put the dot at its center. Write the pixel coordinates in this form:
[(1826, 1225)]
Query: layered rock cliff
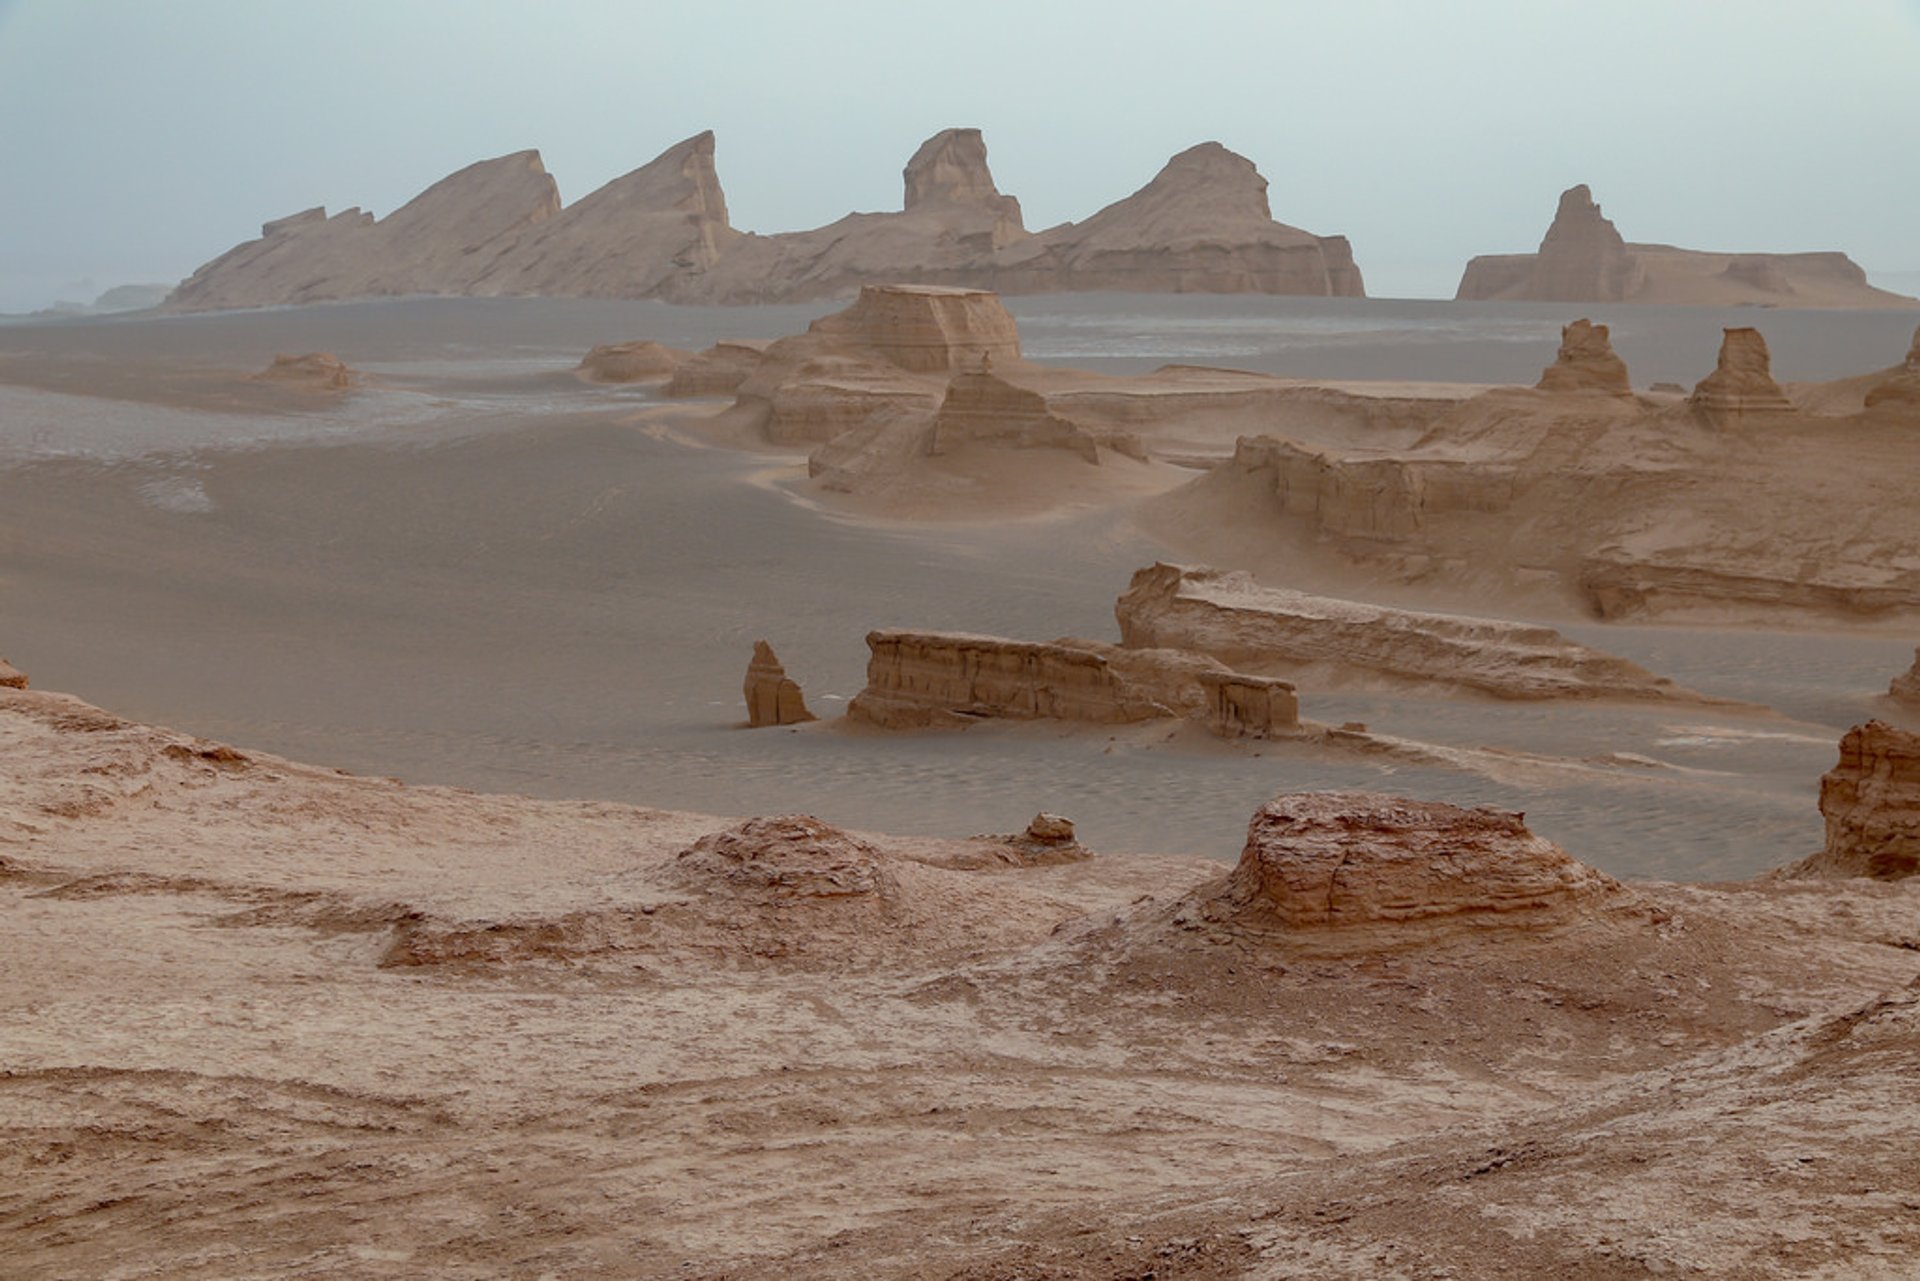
[(1871, 801), (1584, 258), (1203, 224)]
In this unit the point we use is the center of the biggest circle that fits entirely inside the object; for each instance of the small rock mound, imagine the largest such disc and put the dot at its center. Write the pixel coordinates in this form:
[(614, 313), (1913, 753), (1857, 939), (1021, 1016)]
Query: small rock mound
[(773, 698), (1742, 382), (1586, 362), (1871, 801), (1331, 860), (315, 371), (786, 858), (632, 362), (11, 677)]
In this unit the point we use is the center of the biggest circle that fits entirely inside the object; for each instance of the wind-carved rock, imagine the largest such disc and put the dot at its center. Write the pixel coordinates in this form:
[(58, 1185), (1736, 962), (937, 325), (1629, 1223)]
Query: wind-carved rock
[(1871, 801), (1583, 255), (925, 328), (983, 408), (1586, 362), (632, 362), (773, 698), (1326, 861), (1742, 381), (950, 169), (1900, 390), (11, 677), (315, 371), (1243, 706), (1906, 686), (717, 371)]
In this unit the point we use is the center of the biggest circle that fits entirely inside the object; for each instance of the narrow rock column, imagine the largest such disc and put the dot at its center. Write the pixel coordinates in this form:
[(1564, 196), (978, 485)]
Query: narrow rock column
[(772, 699)]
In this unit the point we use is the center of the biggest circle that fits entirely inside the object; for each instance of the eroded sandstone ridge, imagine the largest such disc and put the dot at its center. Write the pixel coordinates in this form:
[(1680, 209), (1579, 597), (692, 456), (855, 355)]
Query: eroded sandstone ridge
[(1586, 362), (773, 697), (1202, 225), (1230, 617), (1871, 801), (1584, 258), (1330, 860)]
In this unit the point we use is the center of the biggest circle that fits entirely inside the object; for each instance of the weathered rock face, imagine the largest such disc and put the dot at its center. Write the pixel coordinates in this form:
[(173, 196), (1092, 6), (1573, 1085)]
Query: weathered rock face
[(1584, 259), (1230, 617), (925, 328), (950, 169), (11, 677), (1332, 860), (632, 362), (315, 371), (784, 858), (1906, 686), (1871, 801), (717, 371), (662, 231), (1586, 362), (1742, 382), (1242, 706), (773, 698), (981, 407), (1900, 390), (919, 679), (1203, 225)]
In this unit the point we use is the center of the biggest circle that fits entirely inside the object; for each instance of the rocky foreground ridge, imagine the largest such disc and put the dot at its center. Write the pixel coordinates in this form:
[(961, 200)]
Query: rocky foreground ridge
[(265, 1019), (498, 227), (1584, 258)]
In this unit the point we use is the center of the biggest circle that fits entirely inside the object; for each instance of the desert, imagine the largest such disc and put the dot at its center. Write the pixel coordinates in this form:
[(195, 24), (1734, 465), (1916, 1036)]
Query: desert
[(602, 716)]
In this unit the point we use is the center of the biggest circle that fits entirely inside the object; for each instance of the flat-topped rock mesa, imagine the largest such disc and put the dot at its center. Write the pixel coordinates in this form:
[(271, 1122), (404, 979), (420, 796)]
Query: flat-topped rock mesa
[(1203, 225), (1228, 616), (314, 371), (1586, 362), (1906, 686), (1871, 801), (632, 362), (1335, 861), (663, 231), (917, 680), (773, 697), (1584, 258), (1742, 380), (923, 329), (446, 240), (1900, 389)]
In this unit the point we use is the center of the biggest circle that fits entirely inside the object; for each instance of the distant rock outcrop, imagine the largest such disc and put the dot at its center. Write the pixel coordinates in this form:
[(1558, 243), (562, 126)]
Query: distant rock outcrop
[(1742, 381), (1336, 860), (632, 362), (315, 371), (11, 677), (1586, 362), (1900, 389), (1584, 258), (1230, 617), (1906, 686), (1871, 801), (773, 698), (1202, 225)]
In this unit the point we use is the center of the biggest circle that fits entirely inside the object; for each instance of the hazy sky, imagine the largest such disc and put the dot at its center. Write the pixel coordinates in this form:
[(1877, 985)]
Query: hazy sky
[(140, 138)]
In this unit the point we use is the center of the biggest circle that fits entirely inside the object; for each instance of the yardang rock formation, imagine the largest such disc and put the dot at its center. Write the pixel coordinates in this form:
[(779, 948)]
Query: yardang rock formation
[(1584, 258), (498, 228)]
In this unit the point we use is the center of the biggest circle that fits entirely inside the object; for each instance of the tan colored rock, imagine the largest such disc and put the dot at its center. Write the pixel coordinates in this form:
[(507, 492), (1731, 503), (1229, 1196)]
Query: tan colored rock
[(1333, 860), (773, 698), (717, 371), (1900, 389), (1586, 362), (1906, 686), (632, 362), (925, 328), (1742, 382), (315, 371), (1871, 801), (785, 858), (950, 169), (981, 407), (11, 677), (1230, 617), (1584, 258), (919, 679), (1242, 706), (1050, 829)]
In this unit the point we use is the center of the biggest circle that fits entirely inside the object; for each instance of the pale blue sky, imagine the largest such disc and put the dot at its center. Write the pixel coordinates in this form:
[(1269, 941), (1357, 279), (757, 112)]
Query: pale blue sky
[(140, 138)]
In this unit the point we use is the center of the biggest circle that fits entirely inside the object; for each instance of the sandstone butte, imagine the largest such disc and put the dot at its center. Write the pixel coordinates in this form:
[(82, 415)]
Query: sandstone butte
[(340, 1020), (1203, 224), (1871, 801), (1742, 379), (1586, 362), (1584, 258), (773, 698)]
